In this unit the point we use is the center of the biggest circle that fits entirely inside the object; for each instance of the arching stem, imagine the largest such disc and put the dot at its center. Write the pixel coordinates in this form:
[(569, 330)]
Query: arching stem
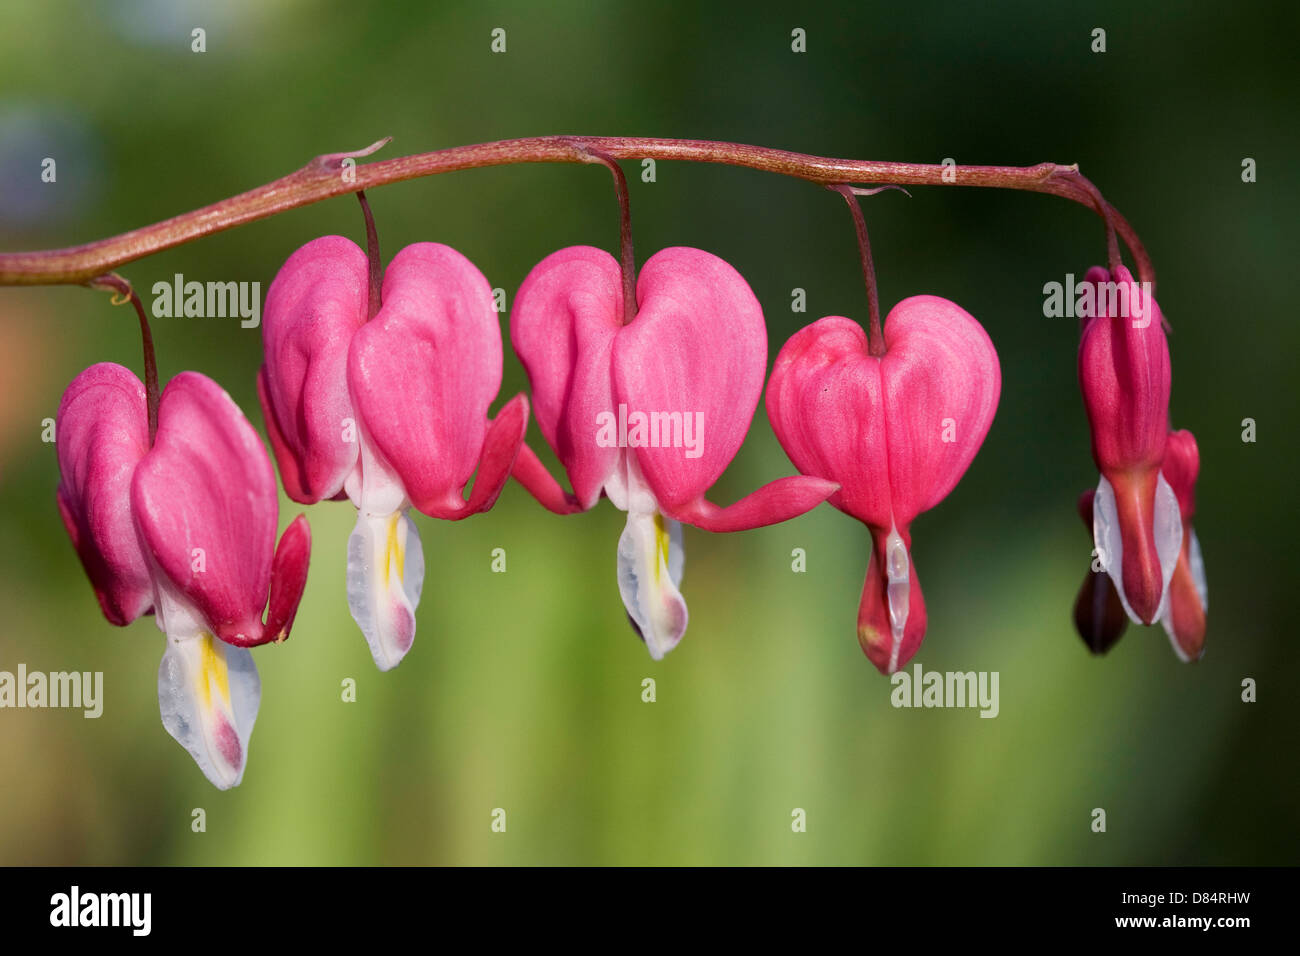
[(123, 293), (327, 176)]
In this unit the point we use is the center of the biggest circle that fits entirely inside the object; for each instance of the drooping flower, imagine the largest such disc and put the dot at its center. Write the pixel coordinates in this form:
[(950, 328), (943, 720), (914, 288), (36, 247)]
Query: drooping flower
[(1099, 616), (184, 530), (896, 431), (648, 413), (1185, 613), (1125, 377), (388, 413)]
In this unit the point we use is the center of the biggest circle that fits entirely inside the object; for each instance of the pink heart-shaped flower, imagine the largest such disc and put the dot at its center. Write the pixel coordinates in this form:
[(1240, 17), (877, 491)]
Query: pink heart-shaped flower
[(896, 431), (649, 412)]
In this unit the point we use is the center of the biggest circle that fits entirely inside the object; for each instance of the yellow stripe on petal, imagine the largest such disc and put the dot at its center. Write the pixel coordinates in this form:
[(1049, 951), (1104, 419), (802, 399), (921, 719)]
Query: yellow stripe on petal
[(649, 569), (661, 537), (396, 553), (212, 672)]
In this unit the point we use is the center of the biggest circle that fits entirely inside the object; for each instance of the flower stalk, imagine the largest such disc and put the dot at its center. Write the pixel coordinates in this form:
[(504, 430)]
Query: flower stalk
[(627, 253), (868, 268), (376, 264), (123, 293)]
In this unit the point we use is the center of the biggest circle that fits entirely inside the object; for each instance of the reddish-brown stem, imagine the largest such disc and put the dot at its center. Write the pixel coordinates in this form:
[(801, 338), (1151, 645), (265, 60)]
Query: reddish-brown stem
[(877, 335), (372, 256), (1107, 213), (331, 175), (627, 255), (123, 293)]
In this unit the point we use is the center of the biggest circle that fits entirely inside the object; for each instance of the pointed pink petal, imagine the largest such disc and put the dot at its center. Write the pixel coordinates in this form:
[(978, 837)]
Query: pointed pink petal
[(941, 382), (504, 438), (1185, 616), (773, 503), (101, 434), (288, 578), (541, 484), (315, 304), (423, 372), (697, 349), (205, 505), (1181, 465), (565, 318)]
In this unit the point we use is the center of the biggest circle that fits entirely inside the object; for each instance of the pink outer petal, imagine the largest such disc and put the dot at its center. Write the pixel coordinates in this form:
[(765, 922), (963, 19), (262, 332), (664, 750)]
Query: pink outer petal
[(314, 306), (1124, 373), (423, 372), (697, 346), (942, 381), (896, 432), (290, 470), (563, 326), (101, 434), (826, 405), (208, 484)]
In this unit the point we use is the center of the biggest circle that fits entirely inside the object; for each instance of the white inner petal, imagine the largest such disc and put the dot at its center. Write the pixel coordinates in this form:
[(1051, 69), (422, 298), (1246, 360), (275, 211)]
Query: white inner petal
[(898, 570), (208, 694), (1198, 572), (385, 578), (1167, 526), (650, 563), (374, 487)]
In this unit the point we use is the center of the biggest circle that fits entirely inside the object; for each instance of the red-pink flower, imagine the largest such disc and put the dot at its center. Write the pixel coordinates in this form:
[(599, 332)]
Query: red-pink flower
[(184, 530), (1189, 599), (648, 413), (896, 431), (389, 413), (1125, 377)]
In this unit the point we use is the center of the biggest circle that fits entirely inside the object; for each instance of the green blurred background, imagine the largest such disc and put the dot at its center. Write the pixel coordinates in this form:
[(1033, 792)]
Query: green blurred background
[(523, 690)]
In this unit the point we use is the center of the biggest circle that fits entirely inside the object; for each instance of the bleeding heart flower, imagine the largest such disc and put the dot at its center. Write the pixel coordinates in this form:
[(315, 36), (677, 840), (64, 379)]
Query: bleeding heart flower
[(185, 530), (1189, 599), (896, 431), (1125, 377), (389, 413), (649, 413), (1098, 613)]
